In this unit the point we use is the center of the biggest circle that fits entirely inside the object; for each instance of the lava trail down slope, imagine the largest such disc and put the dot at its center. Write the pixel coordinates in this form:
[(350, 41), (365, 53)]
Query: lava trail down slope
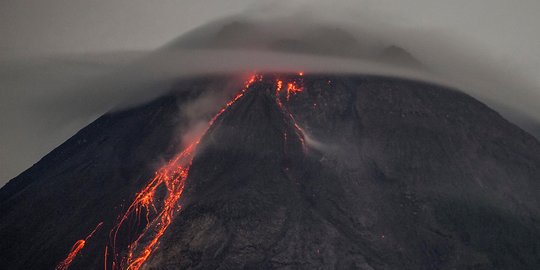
[(297, 171)]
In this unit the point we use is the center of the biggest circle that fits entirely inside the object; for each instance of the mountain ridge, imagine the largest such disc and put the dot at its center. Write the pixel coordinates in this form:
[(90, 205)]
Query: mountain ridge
[(395, 174)]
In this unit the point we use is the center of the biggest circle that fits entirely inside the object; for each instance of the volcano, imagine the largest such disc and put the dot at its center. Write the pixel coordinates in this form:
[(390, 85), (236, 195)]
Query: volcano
[(296, 171)]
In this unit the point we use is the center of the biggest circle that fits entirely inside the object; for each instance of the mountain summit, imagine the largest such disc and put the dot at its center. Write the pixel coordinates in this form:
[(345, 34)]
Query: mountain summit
[(294, 172)]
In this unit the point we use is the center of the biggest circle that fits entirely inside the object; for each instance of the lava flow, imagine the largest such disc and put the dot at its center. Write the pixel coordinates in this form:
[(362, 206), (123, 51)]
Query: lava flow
[(294, 86), (172, 176), (77, 247)]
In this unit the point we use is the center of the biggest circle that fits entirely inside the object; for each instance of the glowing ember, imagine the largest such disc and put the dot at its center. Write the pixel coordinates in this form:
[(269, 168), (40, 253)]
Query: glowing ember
[(278, 87), (173, 176), (77, 247), (294, 86)]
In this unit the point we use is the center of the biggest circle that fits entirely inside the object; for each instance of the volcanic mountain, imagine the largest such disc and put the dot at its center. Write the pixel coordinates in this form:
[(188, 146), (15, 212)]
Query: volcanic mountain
[(294, 172)]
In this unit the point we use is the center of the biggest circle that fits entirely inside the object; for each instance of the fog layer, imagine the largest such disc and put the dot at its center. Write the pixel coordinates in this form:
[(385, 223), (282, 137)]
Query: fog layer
[(46, 99)]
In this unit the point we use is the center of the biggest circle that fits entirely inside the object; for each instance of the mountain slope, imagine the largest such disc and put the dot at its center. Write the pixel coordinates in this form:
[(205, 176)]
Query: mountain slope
[(346, 173)]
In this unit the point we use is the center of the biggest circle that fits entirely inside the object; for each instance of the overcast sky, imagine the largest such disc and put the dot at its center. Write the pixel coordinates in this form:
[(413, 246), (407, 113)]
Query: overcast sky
[(47, 45)]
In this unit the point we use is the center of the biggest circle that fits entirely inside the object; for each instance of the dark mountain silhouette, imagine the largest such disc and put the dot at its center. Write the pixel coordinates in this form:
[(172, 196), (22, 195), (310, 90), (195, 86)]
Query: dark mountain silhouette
[(387, 174), (294, 37), (398, 56)]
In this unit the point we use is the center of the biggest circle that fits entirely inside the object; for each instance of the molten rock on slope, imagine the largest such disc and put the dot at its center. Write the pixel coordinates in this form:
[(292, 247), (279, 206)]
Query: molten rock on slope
[(396, 175)]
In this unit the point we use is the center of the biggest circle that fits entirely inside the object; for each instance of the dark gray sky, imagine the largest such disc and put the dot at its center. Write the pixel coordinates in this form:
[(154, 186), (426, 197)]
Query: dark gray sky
[(49, 48)]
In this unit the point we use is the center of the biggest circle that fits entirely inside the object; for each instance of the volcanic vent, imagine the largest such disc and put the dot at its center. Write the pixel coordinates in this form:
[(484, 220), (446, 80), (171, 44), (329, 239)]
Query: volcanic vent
[(295, 171)]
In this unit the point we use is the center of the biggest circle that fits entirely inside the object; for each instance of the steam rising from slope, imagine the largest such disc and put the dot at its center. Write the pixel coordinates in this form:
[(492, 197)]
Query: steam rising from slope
[(291, 38)]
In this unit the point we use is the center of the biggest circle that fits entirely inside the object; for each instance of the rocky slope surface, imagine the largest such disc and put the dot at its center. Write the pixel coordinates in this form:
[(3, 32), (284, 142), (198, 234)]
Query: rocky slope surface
[(350, 173)]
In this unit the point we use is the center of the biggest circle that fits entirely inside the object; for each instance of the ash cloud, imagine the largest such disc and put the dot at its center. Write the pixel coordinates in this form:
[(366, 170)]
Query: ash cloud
[(52, 98)]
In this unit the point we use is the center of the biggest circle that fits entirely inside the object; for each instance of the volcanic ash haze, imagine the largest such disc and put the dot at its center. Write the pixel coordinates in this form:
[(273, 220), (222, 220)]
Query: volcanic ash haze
[(273, 38), (342, 151), (318, 44), (405, 175)]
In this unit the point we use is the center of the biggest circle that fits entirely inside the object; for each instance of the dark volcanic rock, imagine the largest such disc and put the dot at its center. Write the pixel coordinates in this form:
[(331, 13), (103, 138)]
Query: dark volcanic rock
[(84, 181), (397, 175)]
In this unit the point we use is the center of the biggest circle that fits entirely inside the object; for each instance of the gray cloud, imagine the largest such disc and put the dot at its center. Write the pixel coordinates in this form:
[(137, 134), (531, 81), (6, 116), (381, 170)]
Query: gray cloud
[(486, 48)]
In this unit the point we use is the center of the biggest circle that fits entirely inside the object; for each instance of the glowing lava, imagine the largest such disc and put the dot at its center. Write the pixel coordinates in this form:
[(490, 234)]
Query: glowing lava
[(158, 209), (77, 247), (294, 86), (173, 177)]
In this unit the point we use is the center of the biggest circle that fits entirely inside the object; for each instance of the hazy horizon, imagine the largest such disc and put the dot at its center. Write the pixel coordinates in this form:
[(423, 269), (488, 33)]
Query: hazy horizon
[(54, 53)]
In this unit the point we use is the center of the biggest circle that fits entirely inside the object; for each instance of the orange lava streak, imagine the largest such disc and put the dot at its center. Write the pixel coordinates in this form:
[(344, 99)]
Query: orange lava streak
[(175, 187), (279, 86), (294, 88), (173, 176), (77, 247), (237, 97)]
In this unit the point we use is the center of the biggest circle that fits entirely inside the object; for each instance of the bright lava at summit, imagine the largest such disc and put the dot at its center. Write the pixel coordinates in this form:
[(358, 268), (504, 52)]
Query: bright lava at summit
[(172, 176)]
